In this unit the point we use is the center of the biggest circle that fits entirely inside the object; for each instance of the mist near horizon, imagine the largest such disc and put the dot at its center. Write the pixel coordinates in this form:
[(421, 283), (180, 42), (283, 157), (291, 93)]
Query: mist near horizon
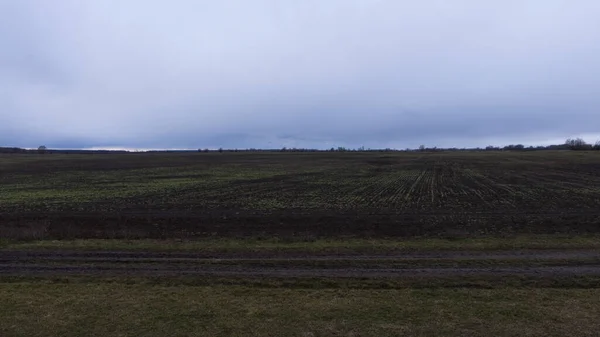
[(311, 74)]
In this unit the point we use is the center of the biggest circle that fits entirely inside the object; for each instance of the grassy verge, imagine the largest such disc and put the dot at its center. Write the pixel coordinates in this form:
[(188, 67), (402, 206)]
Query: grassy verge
[(319, 246), (91, 309), (322, 264), (265, 282)]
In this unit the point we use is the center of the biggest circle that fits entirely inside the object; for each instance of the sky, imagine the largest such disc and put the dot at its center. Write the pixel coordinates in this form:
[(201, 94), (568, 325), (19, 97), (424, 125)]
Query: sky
[(188, 74)]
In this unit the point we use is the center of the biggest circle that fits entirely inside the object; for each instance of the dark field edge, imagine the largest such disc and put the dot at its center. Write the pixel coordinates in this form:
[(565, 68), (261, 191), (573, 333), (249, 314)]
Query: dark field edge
[(476, 282), (258, 247), (333, 264), (293, 226)]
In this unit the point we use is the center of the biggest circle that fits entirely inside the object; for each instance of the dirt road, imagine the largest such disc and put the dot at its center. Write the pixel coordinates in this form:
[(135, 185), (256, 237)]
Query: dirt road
[(422, 264)]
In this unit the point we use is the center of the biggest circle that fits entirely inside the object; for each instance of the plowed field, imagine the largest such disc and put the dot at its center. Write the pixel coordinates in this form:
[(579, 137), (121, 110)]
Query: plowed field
[(187, 195)]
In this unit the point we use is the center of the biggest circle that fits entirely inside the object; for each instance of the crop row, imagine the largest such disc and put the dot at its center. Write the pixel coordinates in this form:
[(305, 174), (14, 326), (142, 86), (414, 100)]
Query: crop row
[(427, 185)]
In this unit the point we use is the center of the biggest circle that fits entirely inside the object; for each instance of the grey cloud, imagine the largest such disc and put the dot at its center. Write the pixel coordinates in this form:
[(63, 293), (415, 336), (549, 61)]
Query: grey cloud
[(189, 74)]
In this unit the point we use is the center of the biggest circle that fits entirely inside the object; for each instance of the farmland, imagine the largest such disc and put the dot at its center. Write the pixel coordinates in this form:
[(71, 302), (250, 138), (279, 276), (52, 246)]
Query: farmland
[(362, 194), (300, 244)]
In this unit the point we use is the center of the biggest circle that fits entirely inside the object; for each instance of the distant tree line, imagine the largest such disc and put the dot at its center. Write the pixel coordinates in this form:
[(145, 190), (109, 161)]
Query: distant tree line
[(577, 145), (13, 150), (574, 144), (45, 150)]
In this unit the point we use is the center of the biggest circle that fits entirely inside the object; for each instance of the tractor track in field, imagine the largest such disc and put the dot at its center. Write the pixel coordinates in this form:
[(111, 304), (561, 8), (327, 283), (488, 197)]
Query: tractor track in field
[(284, 264), (178, 213)]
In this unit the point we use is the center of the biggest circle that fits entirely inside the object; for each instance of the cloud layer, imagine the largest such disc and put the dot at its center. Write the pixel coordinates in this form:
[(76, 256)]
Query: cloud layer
[(195, 74)]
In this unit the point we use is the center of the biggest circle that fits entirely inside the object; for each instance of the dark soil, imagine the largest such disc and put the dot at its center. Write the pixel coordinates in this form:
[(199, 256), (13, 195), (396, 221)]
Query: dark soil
[(118, 263)]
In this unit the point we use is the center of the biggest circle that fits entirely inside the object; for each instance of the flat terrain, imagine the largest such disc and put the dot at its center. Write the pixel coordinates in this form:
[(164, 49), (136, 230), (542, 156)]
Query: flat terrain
[(531, 261), (300, 244), (117, 309), (325, 194), (425, 264)]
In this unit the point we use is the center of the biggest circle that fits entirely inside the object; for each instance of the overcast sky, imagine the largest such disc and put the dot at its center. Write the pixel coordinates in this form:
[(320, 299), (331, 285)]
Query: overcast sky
[(240, 74)]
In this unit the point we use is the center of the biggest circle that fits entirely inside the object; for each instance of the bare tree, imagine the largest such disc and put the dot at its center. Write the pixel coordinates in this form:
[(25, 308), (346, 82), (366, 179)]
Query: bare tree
[(42, 149), (576, 144)]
